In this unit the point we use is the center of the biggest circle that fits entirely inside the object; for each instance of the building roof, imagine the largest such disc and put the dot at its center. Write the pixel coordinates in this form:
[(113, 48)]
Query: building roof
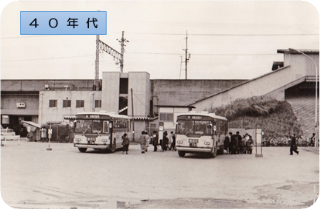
[(305, 51)]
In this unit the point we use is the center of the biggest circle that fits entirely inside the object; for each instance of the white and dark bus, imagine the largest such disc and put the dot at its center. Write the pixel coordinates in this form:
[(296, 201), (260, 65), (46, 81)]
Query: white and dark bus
[(100, 131), (200, 133)]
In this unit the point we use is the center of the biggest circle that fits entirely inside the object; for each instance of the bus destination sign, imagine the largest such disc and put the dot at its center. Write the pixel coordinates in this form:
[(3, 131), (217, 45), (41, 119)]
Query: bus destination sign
[(92, 116), (195, 117)]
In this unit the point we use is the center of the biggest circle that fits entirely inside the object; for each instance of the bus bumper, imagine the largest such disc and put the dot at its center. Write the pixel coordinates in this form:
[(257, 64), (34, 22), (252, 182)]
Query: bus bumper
[(98, 146), (191, 149)]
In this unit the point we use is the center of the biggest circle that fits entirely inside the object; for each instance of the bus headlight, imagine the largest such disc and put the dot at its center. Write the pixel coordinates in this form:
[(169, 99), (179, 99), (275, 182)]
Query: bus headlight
[(78, 139), (207, 143), (104, 140), (179, 142)]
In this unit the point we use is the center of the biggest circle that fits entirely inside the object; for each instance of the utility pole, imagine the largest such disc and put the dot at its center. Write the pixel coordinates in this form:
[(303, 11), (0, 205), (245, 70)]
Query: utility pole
[(186, 57), (122, 42), (180, 67), (132, 114), (96, 80)]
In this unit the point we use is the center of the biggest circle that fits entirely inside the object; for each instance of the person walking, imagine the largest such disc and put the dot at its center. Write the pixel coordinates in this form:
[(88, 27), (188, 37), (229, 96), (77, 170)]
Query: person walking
[(293, 146), (147, 140), (143, 141), (173, 142), (125, 143), (155, 141)]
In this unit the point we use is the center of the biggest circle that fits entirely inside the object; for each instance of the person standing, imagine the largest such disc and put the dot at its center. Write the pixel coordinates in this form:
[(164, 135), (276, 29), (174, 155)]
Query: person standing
[(239, 140), (165, 141), (226, 143), (125, 143), (293, 146), (143, 141), (233, 144), (312, 139), (155, 141), (173, 142)]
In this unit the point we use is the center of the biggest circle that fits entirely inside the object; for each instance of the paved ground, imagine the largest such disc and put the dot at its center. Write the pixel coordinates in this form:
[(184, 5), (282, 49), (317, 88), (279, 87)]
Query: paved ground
[(32, 177)]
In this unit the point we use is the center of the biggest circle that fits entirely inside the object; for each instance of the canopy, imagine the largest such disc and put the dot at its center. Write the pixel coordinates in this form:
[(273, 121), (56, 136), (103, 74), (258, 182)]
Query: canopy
[(31, 124)]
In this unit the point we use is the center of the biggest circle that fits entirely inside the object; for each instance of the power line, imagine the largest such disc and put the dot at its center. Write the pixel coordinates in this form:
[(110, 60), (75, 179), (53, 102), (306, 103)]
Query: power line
[(28, 36), (224, 34), (47, 58), (191, 34), (199, 54), (151, 53)]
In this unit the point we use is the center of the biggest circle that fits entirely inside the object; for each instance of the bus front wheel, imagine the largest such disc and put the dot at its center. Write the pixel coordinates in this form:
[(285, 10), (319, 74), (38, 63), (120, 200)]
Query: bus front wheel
[(82, 149), (113, 148), (181, 154), (214, 153)]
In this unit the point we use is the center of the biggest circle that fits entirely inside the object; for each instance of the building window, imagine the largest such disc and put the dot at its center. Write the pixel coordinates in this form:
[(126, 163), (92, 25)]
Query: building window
[(97, 103), (53, 103), (166, 117), (66, 103), (79, 103)]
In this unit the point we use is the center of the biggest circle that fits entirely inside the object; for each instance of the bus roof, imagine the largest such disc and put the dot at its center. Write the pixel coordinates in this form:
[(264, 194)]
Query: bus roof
[(211, 115), (110, 114)]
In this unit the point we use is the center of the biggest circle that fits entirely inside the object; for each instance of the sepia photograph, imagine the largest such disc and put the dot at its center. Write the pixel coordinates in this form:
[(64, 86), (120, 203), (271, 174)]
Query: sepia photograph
[(159, 104)]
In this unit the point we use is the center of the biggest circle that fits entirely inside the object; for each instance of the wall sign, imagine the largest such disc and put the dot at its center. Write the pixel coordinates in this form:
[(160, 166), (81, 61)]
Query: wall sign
[(21, 104)]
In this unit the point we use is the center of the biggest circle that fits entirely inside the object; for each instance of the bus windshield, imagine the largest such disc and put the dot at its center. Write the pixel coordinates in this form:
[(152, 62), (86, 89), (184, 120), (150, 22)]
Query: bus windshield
[(91, 126), (194, 127)]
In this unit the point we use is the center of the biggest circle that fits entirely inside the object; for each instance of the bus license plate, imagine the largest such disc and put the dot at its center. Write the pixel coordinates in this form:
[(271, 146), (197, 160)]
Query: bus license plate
[(193, 141), (193, 145), (91, 140)]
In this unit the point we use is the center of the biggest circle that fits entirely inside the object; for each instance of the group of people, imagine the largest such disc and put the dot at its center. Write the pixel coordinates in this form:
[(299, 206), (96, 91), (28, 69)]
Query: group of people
[(235, 143), (167, 142)]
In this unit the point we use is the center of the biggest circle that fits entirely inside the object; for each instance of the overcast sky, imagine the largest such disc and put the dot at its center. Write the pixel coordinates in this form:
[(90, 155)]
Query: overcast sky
[(227, 40)]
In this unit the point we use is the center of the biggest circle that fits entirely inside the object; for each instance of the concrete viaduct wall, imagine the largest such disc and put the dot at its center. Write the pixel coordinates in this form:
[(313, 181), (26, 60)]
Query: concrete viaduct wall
[(256, 87), (183, 92), (296, 68)]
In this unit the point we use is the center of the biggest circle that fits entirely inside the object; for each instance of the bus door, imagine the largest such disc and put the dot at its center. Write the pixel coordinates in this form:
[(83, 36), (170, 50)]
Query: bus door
[(112, 136), (215, 135)]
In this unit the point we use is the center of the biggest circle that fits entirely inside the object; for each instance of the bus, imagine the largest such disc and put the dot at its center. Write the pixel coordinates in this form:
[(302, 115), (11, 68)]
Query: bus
[(100, 131), (200, 133)]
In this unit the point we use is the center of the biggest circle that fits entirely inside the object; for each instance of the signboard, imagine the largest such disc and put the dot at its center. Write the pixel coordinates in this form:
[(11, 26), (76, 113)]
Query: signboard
[(5, 119), (21, 104)]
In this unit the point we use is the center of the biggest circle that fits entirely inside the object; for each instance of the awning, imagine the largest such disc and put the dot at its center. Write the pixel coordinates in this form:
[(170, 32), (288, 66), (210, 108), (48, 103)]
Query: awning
[(29, 123), (69, 117), (144, 118)]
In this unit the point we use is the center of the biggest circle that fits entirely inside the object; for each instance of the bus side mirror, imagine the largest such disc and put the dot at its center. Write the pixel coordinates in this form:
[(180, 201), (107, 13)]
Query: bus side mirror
[(110, 125)]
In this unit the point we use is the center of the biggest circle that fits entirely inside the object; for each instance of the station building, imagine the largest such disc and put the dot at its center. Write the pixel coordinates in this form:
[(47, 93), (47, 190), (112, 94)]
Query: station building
[(151, 102)]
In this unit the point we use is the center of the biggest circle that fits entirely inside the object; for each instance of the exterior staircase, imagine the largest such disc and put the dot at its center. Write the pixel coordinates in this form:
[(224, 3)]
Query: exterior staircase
[(303, 108)]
